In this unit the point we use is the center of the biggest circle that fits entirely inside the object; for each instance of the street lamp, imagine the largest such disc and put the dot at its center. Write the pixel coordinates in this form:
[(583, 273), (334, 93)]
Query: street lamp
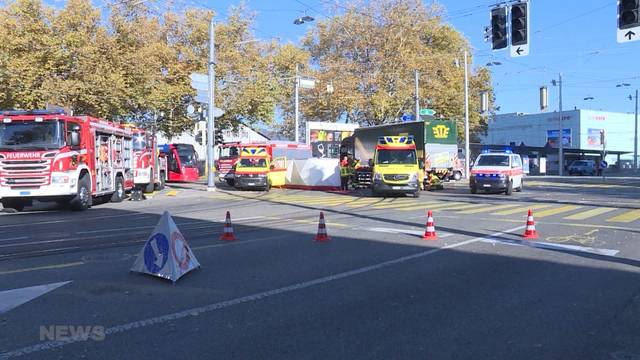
[(635, 128), (303, 19), (589, 98), (299, 21)]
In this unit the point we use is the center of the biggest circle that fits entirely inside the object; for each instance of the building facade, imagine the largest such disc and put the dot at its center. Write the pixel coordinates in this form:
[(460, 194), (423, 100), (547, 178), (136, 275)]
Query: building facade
[(581, 134)]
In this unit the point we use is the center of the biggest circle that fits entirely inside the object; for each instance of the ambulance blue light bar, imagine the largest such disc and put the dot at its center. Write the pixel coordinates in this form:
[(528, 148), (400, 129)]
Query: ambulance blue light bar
[(506, 150)]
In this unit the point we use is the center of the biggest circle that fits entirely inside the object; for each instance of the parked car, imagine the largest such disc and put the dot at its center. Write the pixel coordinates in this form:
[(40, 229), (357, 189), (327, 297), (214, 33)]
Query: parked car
[(625, 164), (582, 167)]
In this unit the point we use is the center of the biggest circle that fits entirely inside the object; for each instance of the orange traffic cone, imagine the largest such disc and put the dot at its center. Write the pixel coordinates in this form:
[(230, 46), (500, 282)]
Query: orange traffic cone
[(228, 229), (430, 231), (322, 229), (530, 232)]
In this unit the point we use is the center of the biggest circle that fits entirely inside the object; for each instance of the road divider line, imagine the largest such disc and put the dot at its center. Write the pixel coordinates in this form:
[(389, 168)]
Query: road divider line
[(154, 321), (45, 267), (589, 213), (15, 238)]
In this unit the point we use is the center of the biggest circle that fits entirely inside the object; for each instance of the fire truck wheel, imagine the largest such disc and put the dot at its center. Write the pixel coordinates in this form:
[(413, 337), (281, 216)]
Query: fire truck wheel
[(457, 175), (119, 194), (474, 190), (160, 186), (82, 200), (149, 187)]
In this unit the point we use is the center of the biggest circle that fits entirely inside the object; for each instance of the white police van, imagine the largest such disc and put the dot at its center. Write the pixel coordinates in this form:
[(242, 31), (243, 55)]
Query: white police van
[(499, 171)]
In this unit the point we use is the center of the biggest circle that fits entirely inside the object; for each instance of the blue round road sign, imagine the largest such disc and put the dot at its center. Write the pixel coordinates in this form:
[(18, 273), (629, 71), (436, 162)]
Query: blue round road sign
[(156, 253), (603, 164)]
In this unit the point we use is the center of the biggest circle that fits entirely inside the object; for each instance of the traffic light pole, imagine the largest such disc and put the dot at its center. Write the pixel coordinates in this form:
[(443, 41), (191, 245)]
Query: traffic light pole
[(211, 185), (417, 80), (466, 117), (635, 138), (297, 105), (560, 134)]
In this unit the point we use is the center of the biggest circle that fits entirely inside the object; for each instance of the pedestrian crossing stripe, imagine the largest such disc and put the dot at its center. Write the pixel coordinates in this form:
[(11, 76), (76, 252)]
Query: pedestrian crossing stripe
[(488, 207), (429, 206), (469, 206), (589, 213), (626, 217), (556, 211), (396, 204), (522, 209), (364, 202), (407, 204)]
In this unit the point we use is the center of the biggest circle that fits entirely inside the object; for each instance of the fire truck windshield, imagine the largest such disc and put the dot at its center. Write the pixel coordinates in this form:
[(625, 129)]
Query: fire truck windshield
[(31, 135), (228, 152)]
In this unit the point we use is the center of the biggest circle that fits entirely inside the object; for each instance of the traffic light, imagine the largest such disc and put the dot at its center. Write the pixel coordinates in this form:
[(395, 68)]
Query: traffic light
[(499, 33), (218, 138), (519, 24), (628, 14)]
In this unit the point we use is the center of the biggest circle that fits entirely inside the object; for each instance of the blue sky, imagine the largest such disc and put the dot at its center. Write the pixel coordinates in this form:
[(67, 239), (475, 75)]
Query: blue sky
[(574, 37), (578, 41)]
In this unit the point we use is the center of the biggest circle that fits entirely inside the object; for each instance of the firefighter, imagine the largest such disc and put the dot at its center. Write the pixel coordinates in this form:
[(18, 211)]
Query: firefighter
[(355, 164), (344, 173), (434, 181)]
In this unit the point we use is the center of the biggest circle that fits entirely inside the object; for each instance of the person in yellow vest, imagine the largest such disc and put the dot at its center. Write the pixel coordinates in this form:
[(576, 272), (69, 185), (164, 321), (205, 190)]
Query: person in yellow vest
[(354, 165), (434, 181), (344, 173)]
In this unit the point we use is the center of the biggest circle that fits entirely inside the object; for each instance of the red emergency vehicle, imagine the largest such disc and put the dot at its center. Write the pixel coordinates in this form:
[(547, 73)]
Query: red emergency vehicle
[(47, 155), (148, 173), (182, 162), (228, 155)]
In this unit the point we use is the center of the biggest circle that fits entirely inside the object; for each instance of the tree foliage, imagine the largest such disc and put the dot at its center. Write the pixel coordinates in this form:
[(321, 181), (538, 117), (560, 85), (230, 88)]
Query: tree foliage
[(369, 51), (133, 63)]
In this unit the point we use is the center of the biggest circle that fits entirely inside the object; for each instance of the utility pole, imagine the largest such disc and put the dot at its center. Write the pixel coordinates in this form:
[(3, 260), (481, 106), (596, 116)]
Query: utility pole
[(154, 147), (635, 138), (211, 186), (297, 106), (466, 118), (560, 134), (417, 78)]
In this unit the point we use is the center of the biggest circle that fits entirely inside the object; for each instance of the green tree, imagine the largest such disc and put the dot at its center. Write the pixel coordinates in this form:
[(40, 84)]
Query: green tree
[(369, 52)]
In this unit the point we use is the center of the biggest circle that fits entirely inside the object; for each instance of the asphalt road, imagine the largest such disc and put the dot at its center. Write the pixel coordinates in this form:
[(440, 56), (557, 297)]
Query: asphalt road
[(376, 290)]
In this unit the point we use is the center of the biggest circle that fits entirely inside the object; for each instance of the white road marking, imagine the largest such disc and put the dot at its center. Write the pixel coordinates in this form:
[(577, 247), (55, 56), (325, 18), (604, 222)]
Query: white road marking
[(15, 238), (402, 231), (49, 345), (10, 299), (552, 246)]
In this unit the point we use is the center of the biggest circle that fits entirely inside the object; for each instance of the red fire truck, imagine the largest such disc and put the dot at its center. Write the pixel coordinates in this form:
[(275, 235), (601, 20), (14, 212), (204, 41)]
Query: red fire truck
[(148, 173), (47, 155), (228, 155)]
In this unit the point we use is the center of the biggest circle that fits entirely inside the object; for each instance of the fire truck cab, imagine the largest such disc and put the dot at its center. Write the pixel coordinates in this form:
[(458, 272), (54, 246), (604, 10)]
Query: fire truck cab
[(47, 155)]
